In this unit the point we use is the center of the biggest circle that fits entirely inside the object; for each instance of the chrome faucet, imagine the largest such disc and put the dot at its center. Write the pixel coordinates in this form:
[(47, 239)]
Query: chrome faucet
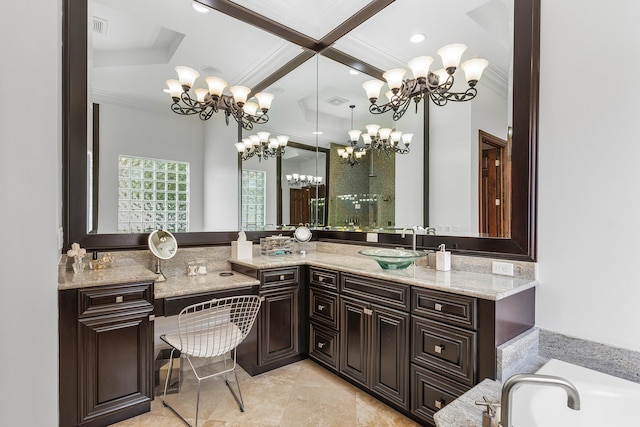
[(514, 382), (415, 230)]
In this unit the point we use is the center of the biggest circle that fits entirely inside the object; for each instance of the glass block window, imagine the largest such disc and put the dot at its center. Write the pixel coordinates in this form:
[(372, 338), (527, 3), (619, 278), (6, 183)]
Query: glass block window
[(253, 199), (152, 194)]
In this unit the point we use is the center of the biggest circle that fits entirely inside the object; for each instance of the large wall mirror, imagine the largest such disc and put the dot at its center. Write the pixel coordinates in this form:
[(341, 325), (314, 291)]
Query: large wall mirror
[(131, 165)]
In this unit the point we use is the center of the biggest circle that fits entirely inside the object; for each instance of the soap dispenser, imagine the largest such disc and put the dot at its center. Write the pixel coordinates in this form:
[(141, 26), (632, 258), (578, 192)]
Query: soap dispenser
[(443, 259)]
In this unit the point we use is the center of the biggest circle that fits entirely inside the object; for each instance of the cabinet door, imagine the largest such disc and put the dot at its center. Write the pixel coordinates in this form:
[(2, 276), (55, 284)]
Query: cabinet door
[(390, 367), (115, 362), (279, 325), (354, 340)]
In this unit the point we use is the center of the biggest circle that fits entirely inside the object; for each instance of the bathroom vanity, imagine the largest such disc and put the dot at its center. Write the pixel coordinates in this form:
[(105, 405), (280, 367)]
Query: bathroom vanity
[(416, 339)]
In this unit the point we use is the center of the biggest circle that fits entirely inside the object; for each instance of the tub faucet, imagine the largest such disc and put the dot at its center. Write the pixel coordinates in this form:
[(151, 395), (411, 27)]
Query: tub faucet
[(415, 230), (514, 382)]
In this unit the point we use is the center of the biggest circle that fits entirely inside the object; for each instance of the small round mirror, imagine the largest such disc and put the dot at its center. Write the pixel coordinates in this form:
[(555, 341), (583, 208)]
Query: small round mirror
[(163, 245), (302, 234)]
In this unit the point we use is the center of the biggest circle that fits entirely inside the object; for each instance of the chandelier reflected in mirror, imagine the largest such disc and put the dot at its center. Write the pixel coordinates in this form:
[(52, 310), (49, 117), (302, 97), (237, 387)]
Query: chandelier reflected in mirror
[(262, 145), (436, 85), (298, 180), (206, 102), (352, 154), (381, 140)]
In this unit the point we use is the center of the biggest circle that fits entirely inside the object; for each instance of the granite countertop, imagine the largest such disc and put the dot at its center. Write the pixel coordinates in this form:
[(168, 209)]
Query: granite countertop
[(485, 286), (463, 412), (174, 285)]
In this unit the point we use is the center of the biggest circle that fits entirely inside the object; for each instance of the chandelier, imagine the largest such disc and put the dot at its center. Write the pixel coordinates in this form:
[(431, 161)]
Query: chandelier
[(262, 146), (435, 85), (381, 139), (351, 155), (303, 180), (209, 101)]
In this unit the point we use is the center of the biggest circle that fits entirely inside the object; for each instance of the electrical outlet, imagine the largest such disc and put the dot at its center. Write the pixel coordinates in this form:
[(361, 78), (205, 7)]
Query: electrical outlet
[(372, 237), (504, 268)]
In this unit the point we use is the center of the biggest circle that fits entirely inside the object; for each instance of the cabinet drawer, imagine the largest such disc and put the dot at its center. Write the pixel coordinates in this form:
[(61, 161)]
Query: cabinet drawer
[(431, 392), (323, 307), (445, 349), (278, 277), (101, 299), (325, 278), (390, 294), (454, 309), (323, 344)]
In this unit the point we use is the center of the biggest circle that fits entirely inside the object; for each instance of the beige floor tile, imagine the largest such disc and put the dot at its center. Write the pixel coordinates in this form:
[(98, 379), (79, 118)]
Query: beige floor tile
[(314, 375), (320, 406), (372, 412)]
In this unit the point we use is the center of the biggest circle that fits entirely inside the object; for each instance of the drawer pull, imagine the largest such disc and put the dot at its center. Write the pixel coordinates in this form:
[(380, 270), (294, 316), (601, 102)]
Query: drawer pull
[(282, 277), (321, 344), (119, 299), (439, 348), (321, 279), (439, 403), (439, 307), (368, 311), (321, 307)]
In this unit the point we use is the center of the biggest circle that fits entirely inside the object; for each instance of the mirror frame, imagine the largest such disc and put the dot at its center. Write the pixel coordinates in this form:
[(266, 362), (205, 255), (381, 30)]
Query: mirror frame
[(521, 245)]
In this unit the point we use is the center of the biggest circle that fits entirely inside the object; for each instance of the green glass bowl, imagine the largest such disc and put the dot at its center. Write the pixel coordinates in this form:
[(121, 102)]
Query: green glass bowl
[(393, 259)]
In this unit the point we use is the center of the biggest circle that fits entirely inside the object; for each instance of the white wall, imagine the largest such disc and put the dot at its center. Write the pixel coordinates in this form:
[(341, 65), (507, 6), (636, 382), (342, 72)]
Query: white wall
[(30, 172), (271, 189), (589, 179), (409, 172), (165, 136)]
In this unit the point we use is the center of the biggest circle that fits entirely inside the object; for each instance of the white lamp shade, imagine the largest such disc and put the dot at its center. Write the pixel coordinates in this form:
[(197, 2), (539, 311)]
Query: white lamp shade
[(372, 87), (394, 78), (390, 96), (420, 66), (288, 177), (341, 152), (240, 93), (186, 75), (349, 150), (309, 178), (359, 154), (473, 68), (200, 93), (216, 85), (372, 130), (240, 147), (395, 136), (247, 142), (318, 179), (255, 139), (451, 54), (250, 108), (282, 140), (384, 133), (443, 76), (273, 143), (175, 88), (263, 136), (296, 176), (354, 135), (366, 139), (264, 99), (406, 138)]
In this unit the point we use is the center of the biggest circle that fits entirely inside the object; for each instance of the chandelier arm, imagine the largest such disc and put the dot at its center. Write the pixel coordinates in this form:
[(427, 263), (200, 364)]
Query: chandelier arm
[(397, 114), (185, 111), (468, 95)]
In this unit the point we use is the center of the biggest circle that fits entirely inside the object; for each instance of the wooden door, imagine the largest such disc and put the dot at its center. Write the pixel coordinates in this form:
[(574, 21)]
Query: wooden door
[(354, 340), (494, 204), (279, 325), (299, 207)]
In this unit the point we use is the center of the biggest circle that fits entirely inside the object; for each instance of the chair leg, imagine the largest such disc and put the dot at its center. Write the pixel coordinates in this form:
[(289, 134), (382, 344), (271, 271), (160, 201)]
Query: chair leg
[(237, 397)]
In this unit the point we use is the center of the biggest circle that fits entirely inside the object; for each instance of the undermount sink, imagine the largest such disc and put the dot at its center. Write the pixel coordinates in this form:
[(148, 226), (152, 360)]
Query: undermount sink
[(393, 259)]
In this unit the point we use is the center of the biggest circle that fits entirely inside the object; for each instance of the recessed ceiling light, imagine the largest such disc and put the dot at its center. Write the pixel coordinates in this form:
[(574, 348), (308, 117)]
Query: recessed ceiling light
[(418, 38), (199, 8), (354, 72), (210, 70)]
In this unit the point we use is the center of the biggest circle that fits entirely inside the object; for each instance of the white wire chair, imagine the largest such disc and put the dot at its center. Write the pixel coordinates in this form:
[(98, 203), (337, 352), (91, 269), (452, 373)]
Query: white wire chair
[(211, 329)]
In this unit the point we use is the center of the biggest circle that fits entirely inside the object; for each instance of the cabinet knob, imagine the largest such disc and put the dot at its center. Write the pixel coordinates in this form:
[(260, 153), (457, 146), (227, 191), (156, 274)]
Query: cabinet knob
[(282, 277), (439, 348), (321, 344), (368, 311), (439, 403), (119, 299), (321, 307), (321, 279), (438, 307)]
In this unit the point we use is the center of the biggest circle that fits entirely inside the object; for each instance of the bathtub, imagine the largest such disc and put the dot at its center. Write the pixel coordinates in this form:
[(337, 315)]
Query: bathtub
[(605, 400)]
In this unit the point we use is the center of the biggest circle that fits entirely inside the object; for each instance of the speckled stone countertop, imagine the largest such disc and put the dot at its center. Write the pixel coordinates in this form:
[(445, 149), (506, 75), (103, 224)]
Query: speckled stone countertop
[(485, 286), (176, 285), (463, 412)]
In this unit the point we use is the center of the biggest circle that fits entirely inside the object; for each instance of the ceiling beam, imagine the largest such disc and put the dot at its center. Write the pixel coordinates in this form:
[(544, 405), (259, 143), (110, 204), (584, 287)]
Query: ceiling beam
[(284, 70)]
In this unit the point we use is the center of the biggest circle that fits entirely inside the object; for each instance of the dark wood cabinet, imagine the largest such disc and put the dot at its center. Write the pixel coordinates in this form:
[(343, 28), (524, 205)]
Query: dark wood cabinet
[(279, 335), (106, 353), (374, 348), (324, 337)]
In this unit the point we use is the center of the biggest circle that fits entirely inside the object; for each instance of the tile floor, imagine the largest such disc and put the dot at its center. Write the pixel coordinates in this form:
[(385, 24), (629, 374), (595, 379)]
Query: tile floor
[(300, 394)]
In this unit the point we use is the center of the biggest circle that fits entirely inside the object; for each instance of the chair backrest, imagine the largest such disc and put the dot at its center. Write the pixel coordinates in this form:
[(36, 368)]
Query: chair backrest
[(212, 328)]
